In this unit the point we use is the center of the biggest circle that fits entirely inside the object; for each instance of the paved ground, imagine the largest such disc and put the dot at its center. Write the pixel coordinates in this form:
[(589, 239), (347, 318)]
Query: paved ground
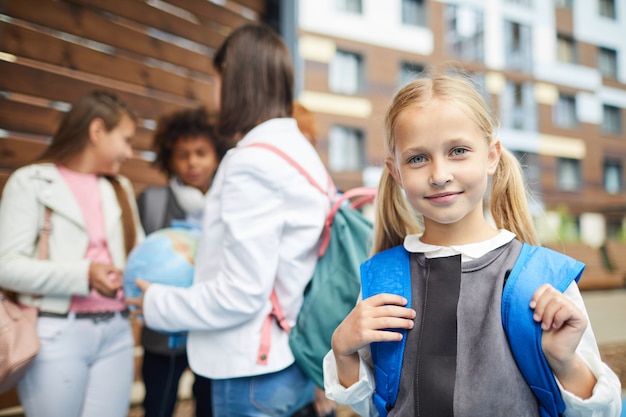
[(607, 311)]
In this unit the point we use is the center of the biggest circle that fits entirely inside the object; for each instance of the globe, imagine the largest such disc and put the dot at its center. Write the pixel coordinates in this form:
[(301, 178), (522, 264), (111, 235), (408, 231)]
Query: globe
[(166, 256)]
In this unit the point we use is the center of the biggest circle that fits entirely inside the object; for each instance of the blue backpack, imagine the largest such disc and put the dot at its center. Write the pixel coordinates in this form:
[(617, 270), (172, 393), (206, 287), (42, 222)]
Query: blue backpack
[(389, 272)]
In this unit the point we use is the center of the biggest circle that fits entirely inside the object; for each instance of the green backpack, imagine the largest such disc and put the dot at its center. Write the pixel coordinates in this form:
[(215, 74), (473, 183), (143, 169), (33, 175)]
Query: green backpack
[(336, 284)]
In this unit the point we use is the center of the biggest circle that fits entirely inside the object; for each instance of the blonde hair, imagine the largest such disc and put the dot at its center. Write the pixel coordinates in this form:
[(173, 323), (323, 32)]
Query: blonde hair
[(509, 207)]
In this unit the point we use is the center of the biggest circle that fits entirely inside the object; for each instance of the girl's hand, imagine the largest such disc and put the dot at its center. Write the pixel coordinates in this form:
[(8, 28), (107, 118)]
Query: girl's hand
[(105, 278), (563, 325), (370, 321), (138, 302)]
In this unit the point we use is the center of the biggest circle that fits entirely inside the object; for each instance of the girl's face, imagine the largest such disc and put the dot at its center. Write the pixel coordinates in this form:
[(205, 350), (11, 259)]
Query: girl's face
[(442, 161), (113, 147), (194, 161)]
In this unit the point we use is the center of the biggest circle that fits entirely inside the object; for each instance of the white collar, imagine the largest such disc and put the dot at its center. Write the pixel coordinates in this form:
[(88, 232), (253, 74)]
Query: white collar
[(471, 251)]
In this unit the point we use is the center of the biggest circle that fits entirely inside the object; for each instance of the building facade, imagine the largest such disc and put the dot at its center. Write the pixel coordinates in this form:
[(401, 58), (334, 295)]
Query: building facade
[(554, 72)]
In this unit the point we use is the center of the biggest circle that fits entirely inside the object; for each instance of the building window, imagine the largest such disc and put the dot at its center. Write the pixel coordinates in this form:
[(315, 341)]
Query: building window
[(346, 149), (413, 12), (568, 174), (464, 33), (408, 72), (607, 8), (518, 107), (611, 120), (607, 62), (346, 73), (517, 46), (564, 112), (567, 4), (531, 170), (565, 49), (349, 6), (613, 177)]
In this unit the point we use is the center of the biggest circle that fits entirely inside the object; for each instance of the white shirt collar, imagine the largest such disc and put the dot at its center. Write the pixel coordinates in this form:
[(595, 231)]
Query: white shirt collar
[(471, 251)]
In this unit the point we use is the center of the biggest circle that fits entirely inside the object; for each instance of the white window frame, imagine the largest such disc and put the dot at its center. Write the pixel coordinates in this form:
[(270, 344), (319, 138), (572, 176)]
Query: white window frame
[(414, 13), (345, 73), (346, 149), (612, 177), (568, 174), (607, 62), (564, 112), (611, 120)]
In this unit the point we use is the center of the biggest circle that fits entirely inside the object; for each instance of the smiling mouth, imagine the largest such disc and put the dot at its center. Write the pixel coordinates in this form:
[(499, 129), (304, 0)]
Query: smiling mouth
[(442, 195)]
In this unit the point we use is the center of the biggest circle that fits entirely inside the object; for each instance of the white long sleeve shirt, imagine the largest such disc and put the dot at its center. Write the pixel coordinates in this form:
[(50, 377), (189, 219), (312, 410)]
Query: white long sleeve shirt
[(261, 230)]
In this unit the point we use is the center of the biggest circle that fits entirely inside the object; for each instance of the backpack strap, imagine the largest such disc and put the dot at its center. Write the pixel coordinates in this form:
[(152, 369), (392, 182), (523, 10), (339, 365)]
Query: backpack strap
[(366, 194), (293, 163), (387, 272), (277, 313), (152, 204), (535, 266)]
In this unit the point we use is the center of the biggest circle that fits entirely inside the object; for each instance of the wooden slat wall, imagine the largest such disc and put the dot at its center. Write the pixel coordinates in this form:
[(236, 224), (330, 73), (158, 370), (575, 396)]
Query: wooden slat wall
[(157, 59), (155, 55)]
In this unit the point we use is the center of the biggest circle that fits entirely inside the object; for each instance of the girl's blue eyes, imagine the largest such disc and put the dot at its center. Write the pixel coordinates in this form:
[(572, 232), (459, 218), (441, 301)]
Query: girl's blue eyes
[(417, 159), (420, 159)]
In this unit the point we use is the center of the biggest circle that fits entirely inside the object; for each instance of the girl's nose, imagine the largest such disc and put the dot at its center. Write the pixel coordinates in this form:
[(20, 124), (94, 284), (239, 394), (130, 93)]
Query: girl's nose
[(440, 175), (129, 151)]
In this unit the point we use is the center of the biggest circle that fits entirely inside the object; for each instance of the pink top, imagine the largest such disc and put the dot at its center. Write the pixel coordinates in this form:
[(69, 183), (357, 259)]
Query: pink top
[(86, 191)]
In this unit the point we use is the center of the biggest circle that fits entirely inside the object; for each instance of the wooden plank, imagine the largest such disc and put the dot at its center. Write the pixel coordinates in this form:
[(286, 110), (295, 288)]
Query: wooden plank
[(258, 6), (9, 398), (26, 118), (142, 141), (84, 23), (42, 47), (140, 171), (142, 12), (15, 153), (210, 13), (38, 120), (65, 87)]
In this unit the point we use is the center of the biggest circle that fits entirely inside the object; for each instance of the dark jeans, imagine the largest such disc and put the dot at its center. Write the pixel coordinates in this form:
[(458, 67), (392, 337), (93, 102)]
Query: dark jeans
[(161, 374)]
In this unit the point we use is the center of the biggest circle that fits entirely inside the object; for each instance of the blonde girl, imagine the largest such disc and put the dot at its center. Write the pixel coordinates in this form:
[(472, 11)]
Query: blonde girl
[(85, 363), (441, 153)]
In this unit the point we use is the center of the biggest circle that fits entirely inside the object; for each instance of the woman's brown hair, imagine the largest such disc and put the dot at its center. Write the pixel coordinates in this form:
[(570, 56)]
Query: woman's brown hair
[(72, 137), (257, 79)]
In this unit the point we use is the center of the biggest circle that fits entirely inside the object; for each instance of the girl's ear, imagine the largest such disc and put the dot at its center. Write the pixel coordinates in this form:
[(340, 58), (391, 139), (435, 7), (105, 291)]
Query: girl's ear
[(393, 169), (493, 158), (96, 128)]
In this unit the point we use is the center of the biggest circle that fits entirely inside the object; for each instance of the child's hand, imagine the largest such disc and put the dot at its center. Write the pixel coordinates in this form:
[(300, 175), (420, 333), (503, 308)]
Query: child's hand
[(138, 302), (563, 325), (105, 278), (562, 322), (370, 321)]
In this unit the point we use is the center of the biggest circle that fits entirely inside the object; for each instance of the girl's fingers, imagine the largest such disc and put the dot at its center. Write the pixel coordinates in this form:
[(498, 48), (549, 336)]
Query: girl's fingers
[(385, 299), (553, 309)]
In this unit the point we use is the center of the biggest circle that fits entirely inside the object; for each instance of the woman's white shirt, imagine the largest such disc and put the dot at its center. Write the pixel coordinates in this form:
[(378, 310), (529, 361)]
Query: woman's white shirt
[(261, 231)]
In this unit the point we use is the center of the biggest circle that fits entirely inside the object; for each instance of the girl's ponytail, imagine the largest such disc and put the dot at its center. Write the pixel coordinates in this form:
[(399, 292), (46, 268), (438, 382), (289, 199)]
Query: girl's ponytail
[(394, 219), (509, 206)]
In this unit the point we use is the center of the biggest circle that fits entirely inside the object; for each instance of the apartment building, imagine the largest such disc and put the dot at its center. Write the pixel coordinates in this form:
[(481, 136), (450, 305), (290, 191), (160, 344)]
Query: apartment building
[(554, 72)]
